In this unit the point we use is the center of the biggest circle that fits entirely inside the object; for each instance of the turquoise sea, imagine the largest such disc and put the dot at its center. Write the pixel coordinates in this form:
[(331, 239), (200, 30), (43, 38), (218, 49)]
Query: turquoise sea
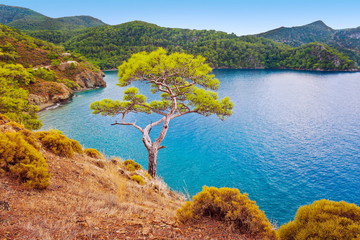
[(294, 138)]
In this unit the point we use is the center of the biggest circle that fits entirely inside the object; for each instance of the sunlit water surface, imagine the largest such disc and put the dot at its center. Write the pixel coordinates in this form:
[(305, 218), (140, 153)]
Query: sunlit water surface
[(294, 138)]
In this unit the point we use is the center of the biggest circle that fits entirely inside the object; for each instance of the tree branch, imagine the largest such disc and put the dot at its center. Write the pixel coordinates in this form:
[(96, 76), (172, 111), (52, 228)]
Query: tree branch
[(129, 124), (154, 110)]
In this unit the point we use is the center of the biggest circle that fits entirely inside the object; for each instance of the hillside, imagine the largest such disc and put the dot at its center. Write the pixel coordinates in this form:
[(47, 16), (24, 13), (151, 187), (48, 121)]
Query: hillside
[(345, 40), (9, 14), (35, 74), (26, 19), (108, 46), (90, 197), (296, 36)]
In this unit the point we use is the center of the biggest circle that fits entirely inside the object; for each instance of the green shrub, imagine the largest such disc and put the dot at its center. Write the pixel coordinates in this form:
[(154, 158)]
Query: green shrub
[(55, 62), (324, 219), (16, 126), (131, 165), (70, 84), (4, 119), (22, 160), (139, 179), (229, 205), (56, 142), (45, 74), (93, 153)]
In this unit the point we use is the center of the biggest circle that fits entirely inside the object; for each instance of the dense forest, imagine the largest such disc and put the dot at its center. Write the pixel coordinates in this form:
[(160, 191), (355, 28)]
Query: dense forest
[(344, 40), (108, 46)]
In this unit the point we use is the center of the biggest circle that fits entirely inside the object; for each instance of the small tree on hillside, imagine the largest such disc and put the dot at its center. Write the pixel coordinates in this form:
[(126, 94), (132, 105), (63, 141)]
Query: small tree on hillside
[(178, 77)]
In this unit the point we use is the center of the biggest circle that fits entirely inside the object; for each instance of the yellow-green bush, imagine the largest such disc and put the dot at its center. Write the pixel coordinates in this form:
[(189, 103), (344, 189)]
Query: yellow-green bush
[(59, 144), (131, 165), (93, 153), (324, 219), (4, 119), (16, 126), (137, 178), (22, 160), (229, 205)]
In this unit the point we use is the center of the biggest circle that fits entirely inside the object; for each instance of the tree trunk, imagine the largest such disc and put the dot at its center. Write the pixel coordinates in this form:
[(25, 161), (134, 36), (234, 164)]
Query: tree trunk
[(152, 157)]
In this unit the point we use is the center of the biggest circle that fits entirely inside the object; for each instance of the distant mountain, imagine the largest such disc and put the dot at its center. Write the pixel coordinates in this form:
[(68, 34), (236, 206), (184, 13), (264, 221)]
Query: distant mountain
[(26, 19), (344, 40), (9, 14), (297, 36), (108, 46)]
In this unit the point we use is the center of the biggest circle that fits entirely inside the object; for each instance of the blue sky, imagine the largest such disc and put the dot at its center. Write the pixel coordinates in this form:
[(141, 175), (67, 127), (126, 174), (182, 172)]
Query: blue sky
[(240, 17)]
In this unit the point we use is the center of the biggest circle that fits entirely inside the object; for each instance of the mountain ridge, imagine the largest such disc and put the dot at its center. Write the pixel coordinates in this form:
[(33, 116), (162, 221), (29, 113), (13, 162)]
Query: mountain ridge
[(108, 45), (345, 40), (27, 19)]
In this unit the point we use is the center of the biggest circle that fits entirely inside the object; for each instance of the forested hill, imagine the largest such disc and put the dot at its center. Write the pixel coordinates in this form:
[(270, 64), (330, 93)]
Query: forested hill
[(26, 19), (37, 73), (345, 40), (110, 45)]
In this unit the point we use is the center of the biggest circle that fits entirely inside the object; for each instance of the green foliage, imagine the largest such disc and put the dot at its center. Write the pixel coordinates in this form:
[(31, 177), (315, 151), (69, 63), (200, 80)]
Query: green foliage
[(175, 75), (23, 160), (220, 49), (55, 62), (57, 143), (93, 153), (53, 55), (324, 219), (26, 19), (229, 205), (131, 165), (139, 179), (69, 83), (45, 74), (13, 99), (179, 78), (8, 53), (342, 40), (316, 56)]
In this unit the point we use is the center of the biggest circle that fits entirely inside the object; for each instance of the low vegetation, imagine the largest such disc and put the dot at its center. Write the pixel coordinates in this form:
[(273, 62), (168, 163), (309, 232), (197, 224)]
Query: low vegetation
[(324, 219), (93, 153), (20, 156), (131, 165), (229, 205), (139, 179), (57, 143)]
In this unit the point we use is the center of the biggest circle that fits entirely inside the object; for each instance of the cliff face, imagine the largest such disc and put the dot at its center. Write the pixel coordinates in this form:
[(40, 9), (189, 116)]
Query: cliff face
[(90, 79), (45, 93)]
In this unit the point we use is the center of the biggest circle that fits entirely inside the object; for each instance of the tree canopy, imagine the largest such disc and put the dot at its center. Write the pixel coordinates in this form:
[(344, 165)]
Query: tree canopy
[(184, 84), (14, 99)]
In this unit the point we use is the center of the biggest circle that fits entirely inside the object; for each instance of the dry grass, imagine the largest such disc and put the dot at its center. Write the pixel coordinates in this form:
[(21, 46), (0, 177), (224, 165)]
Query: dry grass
[(96, 199), (84, 201)]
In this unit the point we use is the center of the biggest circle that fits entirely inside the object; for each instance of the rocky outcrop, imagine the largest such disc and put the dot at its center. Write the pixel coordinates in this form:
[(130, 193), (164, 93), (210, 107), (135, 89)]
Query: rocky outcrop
[(45, 93), (90, 79)]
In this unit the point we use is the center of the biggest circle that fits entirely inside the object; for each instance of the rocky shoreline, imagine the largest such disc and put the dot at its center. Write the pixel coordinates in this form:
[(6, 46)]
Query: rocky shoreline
[(47, 94)]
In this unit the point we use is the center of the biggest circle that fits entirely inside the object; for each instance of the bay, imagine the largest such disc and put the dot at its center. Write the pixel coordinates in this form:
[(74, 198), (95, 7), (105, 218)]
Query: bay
[(294, 138)]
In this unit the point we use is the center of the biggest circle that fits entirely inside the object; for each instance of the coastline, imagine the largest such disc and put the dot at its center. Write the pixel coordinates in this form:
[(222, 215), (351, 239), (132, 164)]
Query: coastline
[(263, 68)]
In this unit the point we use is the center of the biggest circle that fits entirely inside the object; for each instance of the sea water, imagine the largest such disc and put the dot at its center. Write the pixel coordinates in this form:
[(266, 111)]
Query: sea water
[(294, 138)]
